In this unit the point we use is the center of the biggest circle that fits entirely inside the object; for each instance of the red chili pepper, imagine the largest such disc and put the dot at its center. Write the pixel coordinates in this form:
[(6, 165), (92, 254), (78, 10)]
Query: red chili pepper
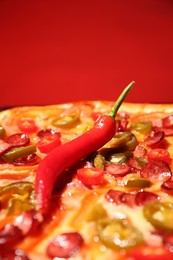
[(65, 156)]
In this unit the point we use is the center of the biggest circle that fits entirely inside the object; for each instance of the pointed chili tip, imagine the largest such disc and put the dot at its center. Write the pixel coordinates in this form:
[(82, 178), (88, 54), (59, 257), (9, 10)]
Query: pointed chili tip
[(121, 99)]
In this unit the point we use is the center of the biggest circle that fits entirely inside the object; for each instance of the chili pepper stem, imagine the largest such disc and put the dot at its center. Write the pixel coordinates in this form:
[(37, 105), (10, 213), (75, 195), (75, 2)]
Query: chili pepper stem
[(120, 100)]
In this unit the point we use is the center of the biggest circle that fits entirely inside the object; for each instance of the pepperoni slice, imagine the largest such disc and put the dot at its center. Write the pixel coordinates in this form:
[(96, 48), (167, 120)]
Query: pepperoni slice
[(167, 131), (17, 140), (9, 234), (167, 122), (117, 170), (4, 147), (128, 199), (156, 170), (134, 165), (150, 253), (17, 254), (120, 197), (46, 132), (65, 245), (121, 125), (168, 241), (167, 187), (123, 115), (154, 139), (29, 160), (140, 151), (114, 196), (159, 154), (27, 222), (144, 197)]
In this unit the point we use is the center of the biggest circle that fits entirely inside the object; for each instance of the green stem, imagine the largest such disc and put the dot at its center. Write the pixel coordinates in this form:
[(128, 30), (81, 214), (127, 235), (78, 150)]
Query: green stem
[(120, 100)]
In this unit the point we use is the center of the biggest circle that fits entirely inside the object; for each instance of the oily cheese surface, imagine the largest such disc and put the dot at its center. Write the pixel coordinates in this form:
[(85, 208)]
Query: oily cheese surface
[(71, 206)]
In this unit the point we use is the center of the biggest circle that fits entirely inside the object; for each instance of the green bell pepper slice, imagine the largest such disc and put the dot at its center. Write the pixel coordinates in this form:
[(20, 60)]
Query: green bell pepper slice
[(160, 215), (17, 197), (2, 132), (118, 234), (18, 152), (66, 121), (143, 127)]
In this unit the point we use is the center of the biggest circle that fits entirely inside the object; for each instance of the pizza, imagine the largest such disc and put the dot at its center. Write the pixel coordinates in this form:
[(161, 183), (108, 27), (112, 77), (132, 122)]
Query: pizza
[(110, 199)]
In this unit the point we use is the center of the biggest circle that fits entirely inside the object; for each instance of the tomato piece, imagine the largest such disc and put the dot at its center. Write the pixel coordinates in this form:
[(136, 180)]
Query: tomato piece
[(48, 142), (90, 176), (27, 126), (159, 154), (150, 253)]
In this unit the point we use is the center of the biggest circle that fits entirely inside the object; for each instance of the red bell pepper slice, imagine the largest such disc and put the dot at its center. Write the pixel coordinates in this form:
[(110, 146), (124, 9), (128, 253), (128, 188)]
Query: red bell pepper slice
[(48, 143), (27, 126), (90, 176)]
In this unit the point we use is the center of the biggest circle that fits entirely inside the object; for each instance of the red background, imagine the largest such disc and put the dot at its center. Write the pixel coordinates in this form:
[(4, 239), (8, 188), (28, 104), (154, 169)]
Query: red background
[(56, 51)]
